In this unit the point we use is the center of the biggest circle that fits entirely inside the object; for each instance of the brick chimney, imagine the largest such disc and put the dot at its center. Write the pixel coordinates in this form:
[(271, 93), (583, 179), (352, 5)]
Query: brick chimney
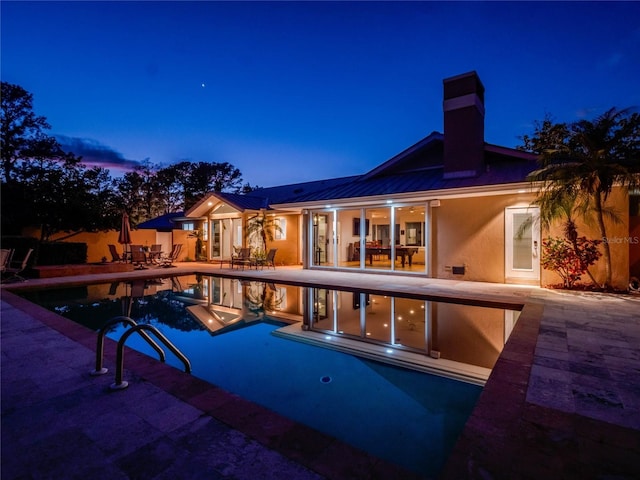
[(463, 126)]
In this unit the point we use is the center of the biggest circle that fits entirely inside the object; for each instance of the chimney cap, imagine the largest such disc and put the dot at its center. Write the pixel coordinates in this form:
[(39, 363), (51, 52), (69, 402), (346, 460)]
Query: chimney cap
[(463, 84)]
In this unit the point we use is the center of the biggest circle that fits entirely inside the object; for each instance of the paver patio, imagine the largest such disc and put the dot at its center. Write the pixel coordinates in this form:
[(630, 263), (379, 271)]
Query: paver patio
[(563, 400)]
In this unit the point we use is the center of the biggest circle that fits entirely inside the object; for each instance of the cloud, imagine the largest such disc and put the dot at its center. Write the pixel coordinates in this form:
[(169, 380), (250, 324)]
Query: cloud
[(614, 59), (95, 154)]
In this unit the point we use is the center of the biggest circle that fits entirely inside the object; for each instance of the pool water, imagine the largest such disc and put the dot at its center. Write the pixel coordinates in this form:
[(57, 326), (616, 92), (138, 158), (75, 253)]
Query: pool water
[(403, 416)]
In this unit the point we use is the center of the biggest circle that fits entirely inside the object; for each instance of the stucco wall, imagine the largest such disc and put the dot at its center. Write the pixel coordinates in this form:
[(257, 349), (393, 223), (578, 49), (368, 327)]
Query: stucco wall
[(188, 244), (287, 253), (619, 238), (469, 232), (97, 242)]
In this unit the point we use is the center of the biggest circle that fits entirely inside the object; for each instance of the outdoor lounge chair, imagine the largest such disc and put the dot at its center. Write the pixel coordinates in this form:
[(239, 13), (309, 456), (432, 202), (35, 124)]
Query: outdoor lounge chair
[(5, 258), (167, 261), (17, 270), (268, 260), (243, 258), (115, 256)]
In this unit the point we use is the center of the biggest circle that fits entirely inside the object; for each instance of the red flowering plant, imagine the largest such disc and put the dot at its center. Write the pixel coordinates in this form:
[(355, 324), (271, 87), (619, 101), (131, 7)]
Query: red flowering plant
[(569, 260)]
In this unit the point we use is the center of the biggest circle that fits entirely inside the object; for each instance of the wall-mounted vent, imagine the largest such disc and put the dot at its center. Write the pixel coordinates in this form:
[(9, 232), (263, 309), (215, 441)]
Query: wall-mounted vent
[(457, 270)]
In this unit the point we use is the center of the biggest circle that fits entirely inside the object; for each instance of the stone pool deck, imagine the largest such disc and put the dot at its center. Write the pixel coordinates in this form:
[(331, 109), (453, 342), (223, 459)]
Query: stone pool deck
[(563, 400)]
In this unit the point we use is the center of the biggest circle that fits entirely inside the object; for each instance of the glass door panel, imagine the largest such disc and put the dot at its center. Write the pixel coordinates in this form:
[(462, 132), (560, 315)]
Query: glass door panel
[(378, 245), (522, 244), (322, 239), (348, 230), (411, 238), (521, 241), (216, 228)]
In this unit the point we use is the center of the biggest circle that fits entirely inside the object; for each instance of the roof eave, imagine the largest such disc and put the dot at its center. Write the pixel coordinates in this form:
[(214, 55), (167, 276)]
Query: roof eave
[(432, 137), (424, 195)]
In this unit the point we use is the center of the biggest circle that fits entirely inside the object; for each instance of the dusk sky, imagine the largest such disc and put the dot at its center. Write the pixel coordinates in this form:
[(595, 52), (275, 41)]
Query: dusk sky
[(298, 91)]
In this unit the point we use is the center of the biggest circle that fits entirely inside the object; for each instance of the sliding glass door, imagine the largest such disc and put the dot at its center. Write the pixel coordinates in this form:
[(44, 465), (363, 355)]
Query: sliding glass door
[(371, 238)]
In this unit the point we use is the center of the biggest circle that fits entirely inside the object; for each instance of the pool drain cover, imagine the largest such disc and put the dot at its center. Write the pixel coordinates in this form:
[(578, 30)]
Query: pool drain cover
[(325, 379)]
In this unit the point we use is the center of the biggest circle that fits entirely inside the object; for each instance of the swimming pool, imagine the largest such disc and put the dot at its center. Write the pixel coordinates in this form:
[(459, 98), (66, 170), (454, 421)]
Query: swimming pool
[(403, 416)]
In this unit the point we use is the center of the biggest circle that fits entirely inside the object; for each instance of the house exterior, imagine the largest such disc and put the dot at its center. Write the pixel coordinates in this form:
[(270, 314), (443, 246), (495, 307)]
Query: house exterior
[(452, 206)]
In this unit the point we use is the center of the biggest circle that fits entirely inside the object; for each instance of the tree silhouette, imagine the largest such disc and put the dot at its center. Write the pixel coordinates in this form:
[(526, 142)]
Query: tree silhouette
[(583, 161)]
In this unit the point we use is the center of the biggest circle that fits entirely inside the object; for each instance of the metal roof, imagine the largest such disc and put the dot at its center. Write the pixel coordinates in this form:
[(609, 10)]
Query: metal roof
[(420, 169), (163, 222)]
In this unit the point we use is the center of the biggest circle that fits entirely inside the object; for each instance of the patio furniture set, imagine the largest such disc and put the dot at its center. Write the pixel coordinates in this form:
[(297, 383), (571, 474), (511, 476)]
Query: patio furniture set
[(242, 258), (142, 257)]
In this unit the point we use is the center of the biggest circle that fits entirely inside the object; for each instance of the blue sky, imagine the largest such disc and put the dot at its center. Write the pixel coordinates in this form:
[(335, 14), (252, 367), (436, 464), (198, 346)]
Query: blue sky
[(297, 91)]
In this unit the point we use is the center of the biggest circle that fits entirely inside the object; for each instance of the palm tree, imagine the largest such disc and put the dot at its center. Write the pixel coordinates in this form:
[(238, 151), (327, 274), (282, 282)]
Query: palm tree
[(583, 161), (263, 226), (555, 205)]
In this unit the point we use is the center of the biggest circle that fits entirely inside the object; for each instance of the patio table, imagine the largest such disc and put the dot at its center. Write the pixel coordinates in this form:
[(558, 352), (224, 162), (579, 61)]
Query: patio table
[(221, 261)]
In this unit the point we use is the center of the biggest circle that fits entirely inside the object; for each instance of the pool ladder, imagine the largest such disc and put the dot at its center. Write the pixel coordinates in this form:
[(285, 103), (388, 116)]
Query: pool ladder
[(142, 329)]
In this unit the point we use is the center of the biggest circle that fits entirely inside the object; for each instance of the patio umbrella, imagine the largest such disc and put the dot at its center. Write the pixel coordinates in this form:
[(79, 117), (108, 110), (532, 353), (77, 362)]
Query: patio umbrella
[(125, 231)]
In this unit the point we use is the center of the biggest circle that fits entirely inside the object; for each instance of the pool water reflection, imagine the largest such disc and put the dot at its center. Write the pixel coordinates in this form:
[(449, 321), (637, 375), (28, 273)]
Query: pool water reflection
[(226, 328)]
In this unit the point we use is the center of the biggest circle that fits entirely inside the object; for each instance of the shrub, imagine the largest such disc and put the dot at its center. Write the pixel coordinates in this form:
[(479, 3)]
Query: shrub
[(62, 253), (569, 261)]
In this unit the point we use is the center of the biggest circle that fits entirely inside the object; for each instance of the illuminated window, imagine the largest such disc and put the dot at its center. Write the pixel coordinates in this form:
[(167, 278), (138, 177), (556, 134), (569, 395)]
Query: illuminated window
[(280, 228), (414, 233), (188, 226)]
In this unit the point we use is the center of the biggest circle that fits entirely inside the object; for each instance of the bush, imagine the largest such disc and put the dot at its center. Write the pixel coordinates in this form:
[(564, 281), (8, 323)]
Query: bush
[(62, 253), (568, 261)]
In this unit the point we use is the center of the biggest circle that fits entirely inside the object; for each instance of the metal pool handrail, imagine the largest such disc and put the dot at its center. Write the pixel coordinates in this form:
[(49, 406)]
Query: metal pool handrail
[(100, 370), (119, 384)]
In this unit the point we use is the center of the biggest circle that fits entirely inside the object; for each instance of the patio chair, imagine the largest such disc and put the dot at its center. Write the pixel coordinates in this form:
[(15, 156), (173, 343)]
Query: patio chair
[(243, 258), (16, 271), (155, 252), (167, 262), (138, 257), (115, 256), (5, 258), (269, 260)]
